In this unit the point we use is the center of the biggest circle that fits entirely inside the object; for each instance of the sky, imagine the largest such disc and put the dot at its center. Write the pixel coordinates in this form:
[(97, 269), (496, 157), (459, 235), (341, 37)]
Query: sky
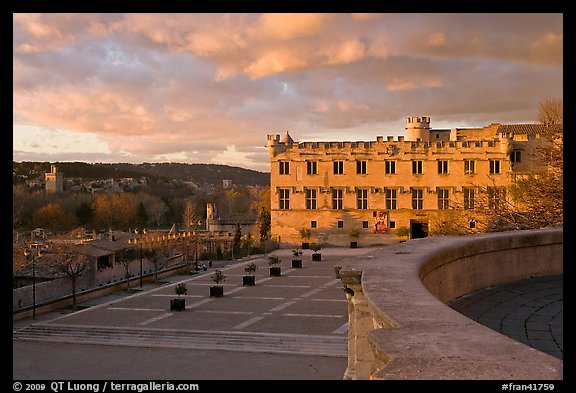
[(209, 88)]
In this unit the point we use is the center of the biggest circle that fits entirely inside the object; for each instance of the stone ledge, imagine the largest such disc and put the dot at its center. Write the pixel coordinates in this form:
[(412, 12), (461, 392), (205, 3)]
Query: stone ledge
[(414, 335)]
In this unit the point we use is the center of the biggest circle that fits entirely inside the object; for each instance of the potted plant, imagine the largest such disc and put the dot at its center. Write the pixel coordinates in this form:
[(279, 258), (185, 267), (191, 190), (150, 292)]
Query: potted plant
[(179, 304), (305, 234), (316, 255), (297, 258), (217, 290), (273, 260), (249, 280), (354, 234)]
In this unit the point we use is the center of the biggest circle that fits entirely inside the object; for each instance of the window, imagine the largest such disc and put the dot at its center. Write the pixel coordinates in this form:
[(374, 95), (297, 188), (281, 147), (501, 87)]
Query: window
[(284, 198), (364, 224), (469, 167), (495, 195), (472, 224), (494, 166), (443, 167), (310, 198), (284, 167), (468, 198), (337, 198), (340, 224), (443, 198), (338, 167), (516, 156), (311, 167), (417, 167), (360, 167), (390, 167), (417, 199), (392, 224), (313, 224), (391, 195), (362, 199)]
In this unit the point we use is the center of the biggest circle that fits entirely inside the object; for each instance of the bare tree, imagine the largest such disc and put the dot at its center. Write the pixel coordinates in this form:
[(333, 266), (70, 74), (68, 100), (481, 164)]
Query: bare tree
[(70, 261), (125, 258), (191, 216), (540, 195), (158, 255), (535, 200)]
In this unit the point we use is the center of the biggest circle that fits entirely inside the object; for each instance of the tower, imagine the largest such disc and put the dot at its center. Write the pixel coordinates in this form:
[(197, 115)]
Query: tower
[(54, 180), (418, 128), (276, 146)]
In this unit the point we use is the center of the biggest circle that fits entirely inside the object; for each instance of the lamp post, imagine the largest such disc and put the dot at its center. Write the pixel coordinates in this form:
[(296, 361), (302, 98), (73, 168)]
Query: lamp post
[(141, 270), (35, 255)]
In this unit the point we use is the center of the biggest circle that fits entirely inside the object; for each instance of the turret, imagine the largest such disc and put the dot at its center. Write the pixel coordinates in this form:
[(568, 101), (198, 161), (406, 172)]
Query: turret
[(211, 211), (275, 146), (418, 128)]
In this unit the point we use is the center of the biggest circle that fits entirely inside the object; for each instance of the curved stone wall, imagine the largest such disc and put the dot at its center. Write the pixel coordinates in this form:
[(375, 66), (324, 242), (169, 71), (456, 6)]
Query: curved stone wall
[(401, 328)]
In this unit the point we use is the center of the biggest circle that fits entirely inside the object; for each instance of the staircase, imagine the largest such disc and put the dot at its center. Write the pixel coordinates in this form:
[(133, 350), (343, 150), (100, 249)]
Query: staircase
[(300, 344)]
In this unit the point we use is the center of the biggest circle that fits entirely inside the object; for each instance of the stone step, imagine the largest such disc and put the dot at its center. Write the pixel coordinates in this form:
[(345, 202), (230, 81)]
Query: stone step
[(302, 344)]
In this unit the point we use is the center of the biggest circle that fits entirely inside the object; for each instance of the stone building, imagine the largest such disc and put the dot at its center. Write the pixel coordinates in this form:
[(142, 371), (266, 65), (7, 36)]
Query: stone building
[(414, 182), (218, 223), (54, 180)]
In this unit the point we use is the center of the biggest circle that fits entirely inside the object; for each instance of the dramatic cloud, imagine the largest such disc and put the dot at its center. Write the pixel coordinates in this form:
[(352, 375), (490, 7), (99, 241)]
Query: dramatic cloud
[(209, 87)]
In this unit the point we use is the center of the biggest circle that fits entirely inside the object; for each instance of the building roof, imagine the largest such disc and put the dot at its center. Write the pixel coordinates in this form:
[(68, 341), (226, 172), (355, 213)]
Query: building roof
[(529, 129), (287, 138)]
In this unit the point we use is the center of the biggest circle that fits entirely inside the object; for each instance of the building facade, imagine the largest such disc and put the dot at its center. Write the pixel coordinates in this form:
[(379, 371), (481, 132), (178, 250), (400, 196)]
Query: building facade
[(54, 180), (377, 190)]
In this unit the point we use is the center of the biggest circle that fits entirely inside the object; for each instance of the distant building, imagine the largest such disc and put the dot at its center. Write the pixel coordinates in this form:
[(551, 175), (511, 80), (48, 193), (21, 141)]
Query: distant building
[(226, 183), (227, 224), (54, 180), (376, 187)]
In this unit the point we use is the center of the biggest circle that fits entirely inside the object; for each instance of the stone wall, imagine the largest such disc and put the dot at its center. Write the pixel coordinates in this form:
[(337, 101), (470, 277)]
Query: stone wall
[(401, 328)]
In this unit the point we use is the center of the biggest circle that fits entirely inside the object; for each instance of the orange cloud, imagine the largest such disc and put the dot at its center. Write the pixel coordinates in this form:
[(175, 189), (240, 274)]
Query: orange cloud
[(274, 62), (344, 53), (289, 26)]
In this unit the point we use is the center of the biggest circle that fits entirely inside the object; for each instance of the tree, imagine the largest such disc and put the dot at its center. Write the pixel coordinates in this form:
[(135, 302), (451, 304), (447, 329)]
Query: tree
[(191, 216), (69, 261), (125, 257), (237, 242), (141, 214), (54, 217), (84, 213), (540, 195), (264, 225), (157, 255), (261, 206)]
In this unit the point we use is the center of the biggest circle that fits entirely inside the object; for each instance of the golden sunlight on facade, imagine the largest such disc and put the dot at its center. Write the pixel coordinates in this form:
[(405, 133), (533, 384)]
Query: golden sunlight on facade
[(373, 192)]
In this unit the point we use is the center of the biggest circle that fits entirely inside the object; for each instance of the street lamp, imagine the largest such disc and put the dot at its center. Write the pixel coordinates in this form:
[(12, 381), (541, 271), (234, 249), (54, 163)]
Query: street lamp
[(35, 255), (141, 270)]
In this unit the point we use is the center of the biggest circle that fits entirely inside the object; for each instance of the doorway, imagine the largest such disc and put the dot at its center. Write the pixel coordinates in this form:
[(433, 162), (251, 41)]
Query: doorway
[(418, 229)]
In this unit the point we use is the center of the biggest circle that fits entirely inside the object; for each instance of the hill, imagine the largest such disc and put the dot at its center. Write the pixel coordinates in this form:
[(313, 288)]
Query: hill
[(198, 173)]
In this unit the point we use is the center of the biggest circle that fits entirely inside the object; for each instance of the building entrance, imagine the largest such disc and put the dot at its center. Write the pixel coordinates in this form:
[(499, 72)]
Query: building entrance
[(418, 229)]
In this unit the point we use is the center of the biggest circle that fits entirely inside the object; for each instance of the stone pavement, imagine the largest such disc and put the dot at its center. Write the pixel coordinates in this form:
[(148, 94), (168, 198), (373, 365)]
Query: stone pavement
[(529, 311), (292, 327), (288, 327)]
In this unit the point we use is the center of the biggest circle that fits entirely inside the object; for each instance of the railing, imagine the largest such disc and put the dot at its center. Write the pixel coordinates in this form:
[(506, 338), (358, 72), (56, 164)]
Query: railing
[(401, 328)]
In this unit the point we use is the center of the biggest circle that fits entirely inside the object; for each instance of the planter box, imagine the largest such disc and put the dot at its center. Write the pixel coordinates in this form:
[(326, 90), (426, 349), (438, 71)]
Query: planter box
[(305, 246), (248, 281), (297, 263), (316, 257), (275, 271), (216, 291), (177, 304), (353, 244)]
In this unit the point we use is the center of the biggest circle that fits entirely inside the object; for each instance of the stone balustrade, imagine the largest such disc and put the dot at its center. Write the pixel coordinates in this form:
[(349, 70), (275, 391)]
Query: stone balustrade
[(400, 326)]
